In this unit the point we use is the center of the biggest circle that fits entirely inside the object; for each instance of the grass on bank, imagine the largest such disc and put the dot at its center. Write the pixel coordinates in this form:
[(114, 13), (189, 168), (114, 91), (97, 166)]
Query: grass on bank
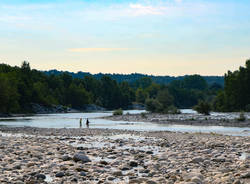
[(118, 112)]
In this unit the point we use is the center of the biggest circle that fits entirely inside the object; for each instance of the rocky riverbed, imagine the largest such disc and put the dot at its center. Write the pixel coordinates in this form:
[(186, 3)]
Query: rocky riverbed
[(39, 155), (230, 120)]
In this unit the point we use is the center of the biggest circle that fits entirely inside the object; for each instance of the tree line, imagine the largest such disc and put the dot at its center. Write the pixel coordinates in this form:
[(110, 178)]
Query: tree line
[(236, 94), (131, 78), (22, 86)]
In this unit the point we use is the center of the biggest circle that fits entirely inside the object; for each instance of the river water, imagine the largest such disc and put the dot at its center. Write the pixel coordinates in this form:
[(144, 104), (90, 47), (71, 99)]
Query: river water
[(71, 120)]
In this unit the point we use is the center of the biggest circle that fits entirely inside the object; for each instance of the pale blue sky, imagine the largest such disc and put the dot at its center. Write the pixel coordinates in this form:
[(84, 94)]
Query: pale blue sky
[(171, 37)]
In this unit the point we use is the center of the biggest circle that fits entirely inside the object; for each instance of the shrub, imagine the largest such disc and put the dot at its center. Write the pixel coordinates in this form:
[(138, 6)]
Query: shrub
[(143, 115), (118, 112), (242, 117), (203, 108), (248, 108), (153, 105), (173, 110)]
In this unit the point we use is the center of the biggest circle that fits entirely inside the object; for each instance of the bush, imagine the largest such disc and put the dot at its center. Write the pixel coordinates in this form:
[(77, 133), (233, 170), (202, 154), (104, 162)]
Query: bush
[(153, 105), (242, 117), (118, 112), (173, 110), (203, 108), (143, 115), (248, 108)]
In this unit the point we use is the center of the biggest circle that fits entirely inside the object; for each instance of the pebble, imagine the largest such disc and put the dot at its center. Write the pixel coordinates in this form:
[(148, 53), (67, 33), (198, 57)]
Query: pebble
[(81, 157), (60, 174), (82, 173), (188, 158), (133, 164)]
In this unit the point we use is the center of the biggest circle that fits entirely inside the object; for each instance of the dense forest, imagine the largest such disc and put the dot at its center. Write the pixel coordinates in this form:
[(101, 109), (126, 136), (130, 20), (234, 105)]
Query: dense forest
[(21, 87), (236, 95), (131, 78)]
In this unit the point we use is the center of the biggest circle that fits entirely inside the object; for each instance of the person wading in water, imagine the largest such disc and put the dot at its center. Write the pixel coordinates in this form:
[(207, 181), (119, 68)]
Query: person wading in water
[(87, 123), (80, 122)]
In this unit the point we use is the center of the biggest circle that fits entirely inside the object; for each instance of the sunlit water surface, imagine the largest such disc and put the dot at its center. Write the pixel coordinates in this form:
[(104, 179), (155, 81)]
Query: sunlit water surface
[(71, 120)]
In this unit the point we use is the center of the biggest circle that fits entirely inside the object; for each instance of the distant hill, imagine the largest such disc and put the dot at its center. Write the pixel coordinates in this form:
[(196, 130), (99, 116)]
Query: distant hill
[(135, 76)]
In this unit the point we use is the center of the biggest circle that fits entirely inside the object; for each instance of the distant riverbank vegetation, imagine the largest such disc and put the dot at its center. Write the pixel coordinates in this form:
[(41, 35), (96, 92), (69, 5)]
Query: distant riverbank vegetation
[(20, 87)]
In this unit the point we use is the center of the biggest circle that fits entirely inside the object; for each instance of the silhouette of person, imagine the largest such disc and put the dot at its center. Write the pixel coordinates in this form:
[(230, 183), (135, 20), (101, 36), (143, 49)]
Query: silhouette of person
[(80, 122), (87, 123)]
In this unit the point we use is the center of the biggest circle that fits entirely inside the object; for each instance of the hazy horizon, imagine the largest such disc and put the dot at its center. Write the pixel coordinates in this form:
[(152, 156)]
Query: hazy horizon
[(157, 75), (171, 37)]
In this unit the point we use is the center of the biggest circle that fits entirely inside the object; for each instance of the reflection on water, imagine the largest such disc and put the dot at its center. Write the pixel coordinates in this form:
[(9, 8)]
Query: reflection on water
[(71, 120)]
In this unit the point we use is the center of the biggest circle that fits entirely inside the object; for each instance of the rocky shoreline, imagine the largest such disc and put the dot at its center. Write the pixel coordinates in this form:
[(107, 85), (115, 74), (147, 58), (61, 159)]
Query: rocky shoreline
[(42, 155), (181, 119), (54, 109)]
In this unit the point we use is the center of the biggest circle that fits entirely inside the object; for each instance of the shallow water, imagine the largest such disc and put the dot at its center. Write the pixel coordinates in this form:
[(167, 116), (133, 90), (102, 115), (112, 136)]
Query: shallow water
[(71, 120)]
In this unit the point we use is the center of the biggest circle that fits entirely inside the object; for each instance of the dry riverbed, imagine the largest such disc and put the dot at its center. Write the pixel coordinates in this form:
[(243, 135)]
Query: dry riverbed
[(39, 155), (183, 119)]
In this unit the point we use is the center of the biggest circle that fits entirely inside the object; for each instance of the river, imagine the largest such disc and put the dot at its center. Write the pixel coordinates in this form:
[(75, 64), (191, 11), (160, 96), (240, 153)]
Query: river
[(71, 120)]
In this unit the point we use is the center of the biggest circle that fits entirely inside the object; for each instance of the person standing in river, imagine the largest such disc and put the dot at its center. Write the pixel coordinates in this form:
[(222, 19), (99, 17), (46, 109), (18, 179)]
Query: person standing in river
[(87, 123), (80, 122)]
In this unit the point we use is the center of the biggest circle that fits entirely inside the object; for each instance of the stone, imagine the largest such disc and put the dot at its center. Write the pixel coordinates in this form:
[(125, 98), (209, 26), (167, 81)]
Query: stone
[(117, 173), (82, 173), (197, 160), (196, 180), (237, 182), (18, 167), (111, 157), (31, 164), (134, 181), (189, 176), (246, 175), (219, 159), (103, 162), (133, 164), (81, 157), (79, 169), (125, 168), (74, 180), (149, 152), (151, 182), (138, 180), (60, 174), (111, 178), (66, 158), (40, 176)]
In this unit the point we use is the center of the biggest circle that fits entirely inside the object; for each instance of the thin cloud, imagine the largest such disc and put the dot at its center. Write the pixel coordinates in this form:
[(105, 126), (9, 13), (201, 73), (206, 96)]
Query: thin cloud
[(8, 18), (178, 1), (96, 49), (146, 10), (28, 7)]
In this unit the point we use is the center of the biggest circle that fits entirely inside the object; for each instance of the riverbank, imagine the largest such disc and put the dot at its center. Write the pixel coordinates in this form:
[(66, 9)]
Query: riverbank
[(54, 109), (183, 119), (42, 155)]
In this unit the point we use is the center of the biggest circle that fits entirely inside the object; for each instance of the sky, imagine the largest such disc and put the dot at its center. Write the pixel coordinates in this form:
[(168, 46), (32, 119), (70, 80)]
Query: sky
[(159, 37)]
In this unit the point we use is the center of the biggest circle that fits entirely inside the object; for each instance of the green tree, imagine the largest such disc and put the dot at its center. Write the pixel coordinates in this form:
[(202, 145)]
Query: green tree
[(194, 82), (165, 98), (153, 89), (8, 95), (143, 82), (153, 105), (110, 93), (141, 95), (77, 96), (203, 107), (127, 94), (236, 95)]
